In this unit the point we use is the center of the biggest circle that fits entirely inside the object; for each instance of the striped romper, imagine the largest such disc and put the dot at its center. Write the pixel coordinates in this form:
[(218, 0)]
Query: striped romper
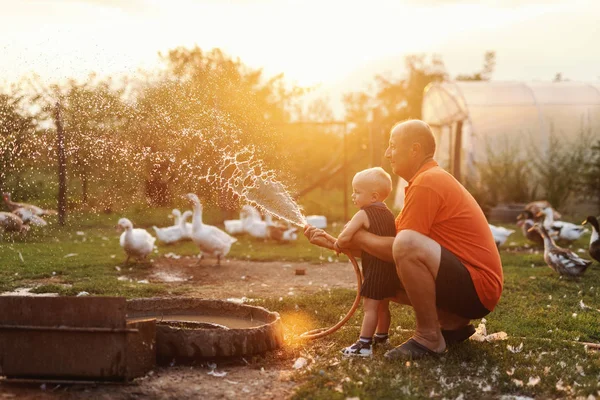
[(380, 277)]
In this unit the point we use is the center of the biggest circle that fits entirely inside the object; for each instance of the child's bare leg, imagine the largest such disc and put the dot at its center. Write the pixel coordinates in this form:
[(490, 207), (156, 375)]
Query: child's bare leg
[(370, 319), (363, 346), (384, 317), (383, 322)]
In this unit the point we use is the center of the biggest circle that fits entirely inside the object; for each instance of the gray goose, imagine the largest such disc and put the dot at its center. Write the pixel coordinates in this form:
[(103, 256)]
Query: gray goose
[(12, 206), (12, 223), (526, 220), (561, 260)]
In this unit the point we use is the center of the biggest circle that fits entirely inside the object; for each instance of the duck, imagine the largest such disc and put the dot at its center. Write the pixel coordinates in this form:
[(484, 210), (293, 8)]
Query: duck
[(211, 240), (561, 260), (279, 232), (594, 248), (560, 230), (526, 220), (34, 209), (500, 234), (12, 223), (536, 206), (29, 218), (318, 221), (137, 243)]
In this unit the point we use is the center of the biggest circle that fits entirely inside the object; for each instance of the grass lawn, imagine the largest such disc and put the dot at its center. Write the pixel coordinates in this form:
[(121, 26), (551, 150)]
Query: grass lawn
[(537, 309)]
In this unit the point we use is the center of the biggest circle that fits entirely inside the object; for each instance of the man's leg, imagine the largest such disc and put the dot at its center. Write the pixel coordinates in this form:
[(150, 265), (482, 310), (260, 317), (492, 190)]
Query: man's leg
[(450, 321), (417, 259), (446, 319)]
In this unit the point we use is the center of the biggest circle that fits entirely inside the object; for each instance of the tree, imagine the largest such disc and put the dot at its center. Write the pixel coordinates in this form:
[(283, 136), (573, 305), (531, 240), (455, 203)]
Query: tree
[(204, 103), (489, 64), (92, 113), (16, 129), (394, 100)]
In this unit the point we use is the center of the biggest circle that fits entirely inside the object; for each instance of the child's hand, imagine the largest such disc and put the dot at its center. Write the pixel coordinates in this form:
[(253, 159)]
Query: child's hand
[(317, 236), (336, 248)]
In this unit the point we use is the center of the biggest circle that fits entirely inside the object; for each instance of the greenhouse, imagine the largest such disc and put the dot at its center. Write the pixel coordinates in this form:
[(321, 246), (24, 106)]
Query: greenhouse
[(469, 118)]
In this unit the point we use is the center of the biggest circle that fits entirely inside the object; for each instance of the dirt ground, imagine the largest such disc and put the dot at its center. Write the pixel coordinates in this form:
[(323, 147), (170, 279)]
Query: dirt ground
[(252, 378)]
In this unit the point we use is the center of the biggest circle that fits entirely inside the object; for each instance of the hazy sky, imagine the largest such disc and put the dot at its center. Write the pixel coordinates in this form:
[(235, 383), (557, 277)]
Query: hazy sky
[(311, 41)]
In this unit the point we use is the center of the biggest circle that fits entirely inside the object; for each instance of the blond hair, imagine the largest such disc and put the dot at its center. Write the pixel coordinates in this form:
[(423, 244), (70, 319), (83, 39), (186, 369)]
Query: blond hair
[(378, 180)]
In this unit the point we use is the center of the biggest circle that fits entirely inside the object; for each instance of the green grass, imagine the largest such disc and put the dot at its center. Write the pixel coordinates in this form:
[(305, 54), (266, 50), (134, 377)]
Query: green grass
[(536, 312), (537, 309)]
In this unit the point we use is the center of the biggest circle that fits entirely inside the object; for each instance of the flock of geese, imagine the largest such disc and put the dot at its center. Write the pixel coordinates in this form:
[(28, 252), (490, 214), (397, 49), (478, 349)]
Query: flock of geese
[(211, 240), (539, 222)]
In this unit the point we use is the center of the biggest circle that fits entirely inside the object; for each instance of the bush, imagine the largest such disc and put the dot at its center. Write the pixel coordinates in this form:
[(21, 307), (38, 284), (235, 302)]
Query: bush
[(505, 177), (558, 170)]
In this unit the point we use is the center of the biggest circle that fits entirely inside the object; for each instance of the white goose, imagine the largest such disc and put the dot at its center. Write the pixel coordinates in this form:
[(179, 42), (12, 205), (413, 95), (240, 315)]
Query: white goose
[(500, 234), (179, 231), (176, 215), (318, 221), (210, 240), (186, 227), (253, 223), (170, 234), (560, 230), (234, 226), (137, 243)]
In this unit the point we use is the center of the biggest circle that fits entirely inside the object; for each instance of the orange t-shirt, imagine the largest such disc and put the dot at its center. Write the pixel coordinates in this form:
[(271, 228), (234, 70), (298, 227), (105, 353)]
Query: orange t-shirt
[(438, 206)]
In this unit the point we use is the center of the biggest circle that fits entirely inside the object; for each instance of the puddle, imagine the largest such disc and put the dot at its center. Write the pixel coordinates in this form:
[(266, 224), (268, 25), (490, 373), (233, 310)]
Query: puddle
[(168, 277)]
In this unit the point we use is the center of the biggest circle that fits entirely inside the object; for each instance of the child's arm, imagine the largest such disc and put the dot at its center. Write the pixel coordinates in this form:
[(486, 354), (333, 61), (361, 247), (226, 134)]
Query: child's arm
[(319, 237), (358, 221)]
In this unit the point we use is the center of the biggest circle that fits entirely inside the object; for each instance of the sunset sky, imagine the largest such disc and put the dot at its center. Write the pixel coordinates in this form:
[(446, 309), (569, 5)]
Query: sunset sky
[(311, 41)]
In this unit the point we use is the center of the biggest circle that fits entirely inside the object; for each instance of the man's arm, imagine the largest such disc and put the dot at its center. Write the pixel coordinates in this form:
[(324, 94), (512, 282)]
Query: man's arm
[(378, 246)]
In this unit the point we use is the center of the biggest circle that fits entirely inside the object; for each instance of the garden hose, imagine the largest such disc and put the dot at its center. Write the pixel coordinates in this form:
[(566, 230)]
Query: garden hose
[(321, 332)]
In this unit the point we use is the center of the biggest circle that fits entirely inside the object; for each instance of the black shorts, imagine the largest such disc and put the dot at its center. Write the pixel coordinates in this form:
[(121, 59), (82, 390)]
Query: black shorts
[(454, 289)]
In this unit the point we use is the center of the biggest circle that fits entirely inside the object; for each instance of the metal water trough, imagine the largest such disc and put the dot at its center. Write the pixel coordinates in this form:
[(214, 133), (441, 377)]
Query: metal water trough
[(73, 338)]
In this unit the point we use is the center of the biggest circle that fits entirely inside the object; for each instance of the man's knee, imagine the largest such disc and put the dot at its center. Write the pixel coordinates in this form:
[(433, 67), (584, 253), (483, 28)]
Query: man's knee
[(406, 243)]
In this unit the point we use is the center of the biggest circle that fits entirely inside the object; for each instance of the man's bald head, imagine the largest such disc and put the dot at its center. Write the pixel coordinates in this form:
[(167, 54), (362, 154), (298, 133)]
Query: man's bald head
[(415, 131), (411, 143)]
